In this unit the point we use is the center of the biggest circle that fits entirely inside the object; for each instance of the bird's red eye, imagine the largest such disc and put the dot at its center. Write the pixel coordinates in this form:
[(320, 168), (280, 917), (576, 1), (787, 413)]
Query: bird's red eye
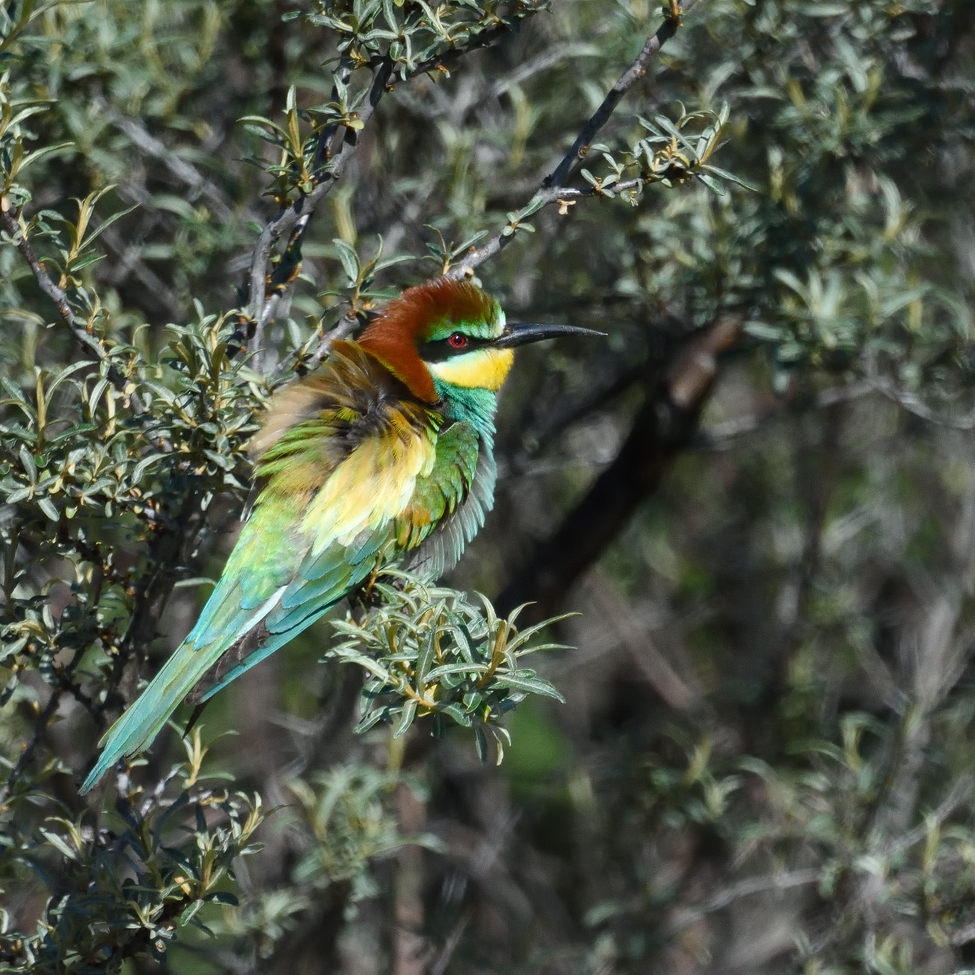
[(458, 340)]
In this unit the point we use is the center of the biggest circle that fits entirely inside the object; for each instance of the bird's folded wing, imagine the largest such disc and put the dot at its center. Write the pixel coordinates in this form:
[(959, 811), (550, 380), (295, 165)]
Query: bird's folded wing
[(449, 504)]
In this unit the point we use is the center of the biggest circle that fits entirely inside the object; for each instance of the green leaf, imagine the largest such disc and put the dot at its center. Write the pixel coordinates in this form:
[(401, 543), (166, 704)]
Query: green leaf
[(223, 897), (711, 183), (525, 680), (47, 506), (730, 177), (349, 259), (406, 718), (457, 714)]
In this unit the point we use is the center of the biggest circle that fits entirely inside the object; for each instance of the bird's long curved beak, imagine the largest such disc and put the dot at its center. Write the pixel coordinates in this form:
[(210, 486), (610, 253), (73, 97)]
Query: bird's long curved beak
[(520, 333)]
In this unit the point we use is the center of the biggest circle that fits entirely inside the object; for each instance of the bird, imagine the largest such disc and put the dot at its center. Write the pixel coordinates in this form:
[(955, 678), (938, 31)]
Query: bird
[(384, 454)]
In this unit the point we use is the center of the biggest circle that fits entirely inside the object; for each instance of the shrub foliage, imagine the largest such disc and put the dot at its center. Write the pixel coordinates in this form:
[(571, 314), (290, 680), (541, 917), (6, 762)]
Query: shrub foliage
[(759, 491)]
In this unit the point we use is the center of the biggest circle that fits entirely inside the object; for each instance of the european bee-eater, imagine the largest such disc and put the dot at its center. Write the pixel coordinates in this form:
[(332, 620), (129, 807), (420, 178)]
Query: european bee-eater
[(384, 453)]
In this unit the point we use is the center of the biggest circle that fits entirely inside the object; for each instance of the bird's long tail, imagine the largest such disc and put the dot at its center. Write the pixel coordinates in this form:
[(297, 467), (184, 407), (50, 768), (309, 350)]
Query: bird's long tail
[(137, 726)]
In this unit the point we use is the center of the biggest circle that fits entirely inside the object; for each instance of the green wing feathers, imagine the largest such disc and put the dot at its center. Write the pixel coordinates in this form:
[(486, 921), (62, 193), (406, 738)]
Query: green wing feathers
[(450, 503), (438, 495)]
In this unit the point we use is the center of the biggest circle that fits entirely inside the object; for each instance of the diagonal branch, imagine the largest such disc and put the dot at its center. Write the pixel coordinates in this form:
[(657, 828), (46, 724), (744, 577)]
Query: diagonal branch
[(553, 188), (41, 724), (198, 184), (627, 80), (262, 305), (743, 888), (663, 428), (266, 293)]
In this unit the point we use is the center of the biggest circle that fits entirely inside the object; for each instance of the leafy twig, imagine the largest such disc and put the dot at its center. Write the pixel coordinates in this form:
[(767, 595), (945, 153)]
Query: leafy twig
[(633, 73), (40, 726), (553, 186), (266, 293), (18, 234), (262, 305)]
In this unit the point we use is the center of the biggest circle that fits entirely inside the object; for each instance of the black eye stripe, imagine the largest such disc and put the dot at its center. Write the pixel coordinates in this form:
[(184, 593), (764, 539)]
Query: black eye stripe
[(441, 349)]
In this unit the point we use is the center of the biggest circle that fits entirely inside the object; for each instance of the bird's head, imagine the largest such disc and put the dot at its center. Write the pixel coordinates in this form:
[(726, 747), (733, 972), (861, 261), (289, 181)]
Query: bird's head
[(447, 339)]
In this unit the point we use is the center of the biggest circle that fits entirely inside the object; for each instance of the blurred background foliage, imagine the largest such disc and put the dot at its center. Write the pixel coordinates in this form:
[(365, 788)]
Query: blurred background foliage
[(759, 492)]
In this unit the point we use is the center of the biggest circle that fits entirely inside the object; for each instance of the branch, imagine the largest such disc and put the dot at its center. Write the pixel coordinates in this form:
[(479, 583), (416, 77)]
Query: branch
[(266, 294), (261, 306), (341, 330), (912, 403), (718, 436), (744, 888), (626, 81), (18, 234), (565, 197), (40, 728), (27, 752), (553, 186), (960, 793), (220, 202), (662, 429), (676, 692)]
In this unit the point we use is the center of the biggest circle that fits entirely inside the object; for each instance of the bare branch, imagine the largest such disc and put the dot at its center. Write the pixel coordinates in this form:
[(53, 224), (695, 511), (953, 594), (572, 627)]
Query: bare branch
[(960, 793), (678, 693), (222, 205), (564, 196), (744, 888), (912, 403), (341, 330), (718, 436), (27, 752)]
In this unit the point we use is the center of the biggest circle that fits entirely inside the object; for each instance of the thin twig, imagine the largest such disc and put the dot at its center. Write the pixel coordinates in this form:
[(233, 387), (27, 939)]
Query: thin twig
[(18, 234), (266, 294), (222, 205), (130, 262), (440, 964), (287, 270), (40, 726), (542, 63), (744, 888), (341, 330), (960, 793), (633, 73), (719, 435), (541, 199), (912, 403), (678, 693), (261, 306), (553, 189)]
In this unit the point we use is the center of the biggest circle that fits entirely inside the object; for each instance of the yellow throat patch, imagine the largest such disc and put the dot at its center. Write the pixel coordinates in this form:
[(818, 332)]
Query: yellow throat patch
[(480, 369)]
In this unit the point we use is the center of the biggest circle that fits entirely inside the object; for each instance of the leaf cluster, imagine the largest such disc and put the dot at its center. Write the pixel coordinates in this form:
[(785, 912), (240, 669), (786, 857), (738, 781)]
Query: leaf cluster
[(126, 889), (82, 473), (414, 35), (429, 651)]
